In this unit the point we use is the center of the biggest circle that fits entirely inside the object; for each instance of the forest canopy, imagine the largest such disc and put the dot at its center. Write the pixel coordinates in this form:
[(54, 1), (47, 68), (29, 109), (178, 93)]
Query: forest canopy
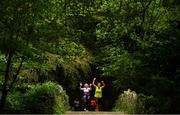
[(130, 44)]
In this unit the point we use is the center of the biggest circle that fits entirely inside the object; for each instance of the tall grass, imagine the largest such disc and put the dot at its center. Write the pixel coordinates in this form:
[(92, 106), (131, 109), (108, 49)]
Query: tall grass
[(133, 103)]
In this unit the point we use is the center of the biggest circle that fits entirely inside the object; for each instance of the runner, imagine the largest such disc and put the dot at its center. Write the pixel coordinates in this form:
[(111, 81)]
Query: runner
[(76, 104), (86, 95), (98, 92), (93, 104)]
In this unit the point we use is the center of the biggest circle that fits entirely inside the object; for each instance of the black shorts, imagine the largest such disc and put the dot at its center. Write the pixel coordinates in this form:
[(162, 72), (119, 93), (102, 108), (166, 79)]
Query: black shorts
[(99, 101)]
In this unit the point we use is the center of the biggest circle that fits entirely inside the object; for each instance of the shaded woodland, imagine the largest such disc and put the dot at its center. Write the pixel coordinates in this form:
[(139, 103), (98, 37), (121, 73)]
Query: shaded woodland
[(47, 47)]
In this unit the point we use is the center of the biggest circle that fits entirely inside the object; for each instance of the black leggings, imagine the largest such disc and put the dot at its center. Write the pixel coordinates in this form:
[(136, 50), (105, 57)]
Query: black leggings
[(86, 101)]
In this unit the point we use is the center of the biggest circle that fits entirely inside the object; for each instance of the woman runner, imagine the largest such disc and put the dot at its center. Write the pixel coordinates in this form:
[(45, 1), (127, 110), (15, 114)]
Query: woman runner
[(98, 91), (86, 95)]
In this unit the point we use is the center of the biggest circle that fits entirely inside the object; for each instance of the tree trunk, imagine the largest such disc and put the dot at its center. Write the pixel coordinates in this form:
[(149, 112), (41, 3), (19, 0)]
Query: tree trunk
[(6, 77), (16, 75)]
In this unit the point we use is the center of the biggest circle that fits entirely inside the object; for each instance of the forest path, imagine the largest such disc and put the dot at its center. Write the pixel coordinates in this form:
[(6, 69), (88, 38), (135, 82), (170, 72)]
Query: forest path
[(93, 113)]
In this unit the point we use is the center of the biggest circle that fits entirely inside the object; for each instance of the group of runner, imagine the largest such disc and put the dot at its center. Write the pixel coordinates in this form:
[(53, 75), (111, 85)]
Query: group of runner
[(88, 102)]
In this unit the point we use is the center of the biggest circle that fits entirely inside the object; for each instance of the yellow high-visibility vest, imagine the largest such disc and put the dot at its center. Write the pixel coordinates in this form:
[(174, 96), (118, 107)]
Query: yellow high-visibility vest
[(98, 92)]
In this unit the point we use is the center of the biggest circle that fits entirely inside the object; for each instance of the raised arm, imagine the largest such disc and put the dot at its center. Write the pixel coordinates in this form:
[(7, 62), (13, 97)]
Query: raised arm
[(80, 86), (103, 84), (90, 86), (94, 82)]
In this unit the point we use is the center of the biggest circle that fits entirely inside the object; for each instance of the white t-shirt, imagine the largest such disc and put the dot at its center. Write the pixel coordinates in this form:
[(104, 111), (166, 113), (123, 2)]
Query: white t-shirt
[(85, 90)]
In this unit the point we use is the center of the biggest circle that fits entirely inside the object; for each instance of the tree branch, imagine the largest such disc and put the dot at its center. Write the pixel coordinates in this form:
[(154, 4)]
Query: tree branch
[(17, 73), (143, 17)]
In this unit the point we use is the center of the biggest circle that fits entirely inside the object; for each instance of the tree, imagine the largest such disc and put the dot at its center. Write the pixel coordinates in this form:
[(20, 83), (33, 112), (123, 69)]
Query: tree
[(20, 25), (132, 26), (128, 36)]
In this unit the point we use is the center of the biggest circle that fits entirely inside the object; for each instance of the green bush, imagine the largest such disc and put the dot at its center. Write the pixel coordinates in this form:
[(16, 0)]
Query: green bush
[(126, 102), (131, 102), (47, 98), (147, 104), (41, 98), (15, 102)]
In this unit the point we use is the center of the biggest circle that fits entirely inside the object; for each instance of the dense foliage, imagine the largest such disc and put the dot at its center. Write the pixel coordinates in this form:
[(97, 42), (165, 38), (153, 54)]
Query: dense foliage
[(128, 43), (47, 98), (41, 98), (130, 102)]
